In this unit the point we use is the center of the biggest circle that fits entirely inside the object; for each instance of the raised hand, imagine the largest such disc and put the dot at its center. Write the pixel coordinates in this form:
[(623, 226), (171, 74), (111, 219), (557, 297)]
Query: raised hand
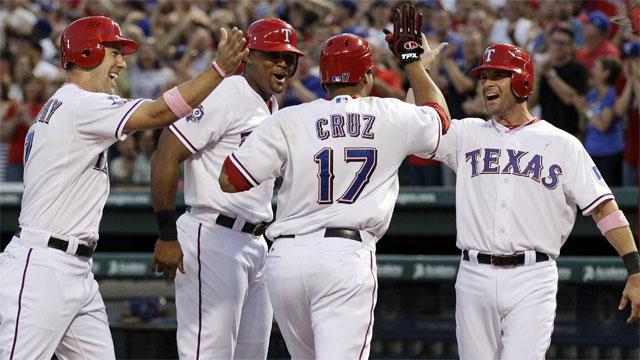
[(406, 40), (231, 50)]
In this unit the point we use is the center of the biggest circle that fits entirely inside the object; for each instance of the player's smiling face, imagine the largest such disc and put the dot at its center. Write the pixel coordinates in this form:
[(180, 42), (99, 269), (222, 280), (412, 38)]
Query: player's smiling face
[(269, 72), (104, 76), (496, 90)]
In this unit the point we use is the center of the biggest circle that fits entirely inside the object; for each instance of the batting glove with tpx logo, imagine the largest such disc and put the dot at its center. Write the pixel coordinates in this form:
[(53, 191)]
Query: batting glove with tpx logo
[(406, 40)]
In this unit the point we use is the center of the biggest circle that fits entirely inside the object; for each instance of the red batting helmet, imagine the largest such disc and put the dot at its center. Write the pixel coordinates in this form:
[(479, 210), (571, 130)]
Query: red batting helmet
[(510, 58), (83, 41), (345, 58), (272, 35)]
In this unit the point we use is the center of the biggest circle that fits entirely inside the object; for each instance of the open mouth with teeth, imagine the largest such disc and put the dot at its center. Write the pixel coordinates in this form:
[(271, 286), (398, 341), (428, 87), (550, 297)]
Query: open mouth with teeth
[(113, 77), (492, 97), (279, 77)]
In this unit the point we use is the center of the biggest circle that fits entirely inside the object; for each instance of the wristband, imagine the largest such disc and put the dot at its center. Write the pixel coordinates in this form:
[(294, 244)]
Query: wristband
[(632, 262), (176, 102), (218, 69), (167, 225), (612, 221)]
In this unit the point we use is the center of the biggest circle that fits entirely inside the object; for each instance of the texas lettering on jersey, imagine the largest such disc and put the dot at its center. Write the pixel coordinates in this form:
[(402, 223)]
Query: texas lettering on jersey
[(519, 163)]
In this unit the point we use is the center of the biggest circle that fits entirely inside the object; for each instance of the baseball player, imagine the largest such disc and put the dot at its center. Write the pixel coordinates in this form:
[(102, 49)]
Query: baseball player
[(49, 301), (339, 160), (222, 304), (519, 180)]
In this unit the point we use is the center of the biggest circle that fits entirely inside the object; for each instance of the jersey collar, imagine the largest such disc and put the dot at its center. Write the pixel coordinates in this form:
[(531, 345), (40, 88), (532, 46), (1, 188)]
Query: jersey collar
[(511, 129)]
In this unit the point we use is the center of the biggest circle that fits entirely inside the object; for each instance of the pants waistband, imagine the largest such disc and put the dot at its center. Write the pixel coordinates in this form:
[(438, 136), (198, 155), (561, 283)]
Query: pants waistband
[(504, 260), (63, 245), (335, 232), (230, 222)]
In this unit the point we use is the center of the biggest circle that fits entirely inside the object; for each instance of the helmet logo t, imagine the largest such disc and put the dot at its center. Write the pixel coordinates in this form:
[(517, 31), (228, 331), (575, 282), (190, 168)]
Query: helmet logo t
[(488, 54), (287, 34)]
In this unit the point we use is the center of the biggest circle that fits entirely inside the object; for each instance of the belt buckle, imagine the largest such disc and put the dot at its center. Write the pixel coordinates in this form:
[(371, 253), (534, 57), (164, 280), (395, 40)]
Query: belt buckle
[(501, 260), (259, 229)]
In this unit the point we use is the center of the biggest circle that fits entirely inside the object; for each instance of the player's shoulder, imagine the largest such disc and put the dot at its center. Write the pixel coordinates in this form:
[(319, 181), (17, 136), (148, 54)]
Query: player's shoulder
[(308, 109), (472, 122), (549, 130)]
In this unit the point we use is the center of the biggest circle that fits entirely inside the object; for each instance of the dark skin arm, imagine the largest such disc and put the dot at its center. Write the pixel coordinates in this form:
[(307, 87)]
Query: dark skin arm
[(622, 240), (165, 168)]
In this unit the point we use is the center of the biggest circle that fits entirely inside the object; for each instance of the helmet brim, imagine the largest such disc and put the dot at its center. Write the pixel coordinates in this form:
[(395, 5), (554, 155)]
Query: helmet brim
[(476, 72), (279, 48), (127, 46)]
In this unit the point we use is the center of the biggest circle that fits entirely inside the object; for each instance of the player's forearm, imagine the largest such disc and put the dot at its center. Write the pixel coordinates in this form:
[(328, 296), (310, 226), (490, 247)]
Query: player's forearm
[(165, 172), (620, 238), (424, 89), (157, 114)]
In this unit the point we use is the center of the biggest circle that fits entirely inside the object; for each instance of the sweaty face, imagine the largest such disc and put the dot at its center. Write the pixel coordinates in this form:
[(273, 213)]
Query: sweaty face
[(268, 72), (496, 90), (104, 76)]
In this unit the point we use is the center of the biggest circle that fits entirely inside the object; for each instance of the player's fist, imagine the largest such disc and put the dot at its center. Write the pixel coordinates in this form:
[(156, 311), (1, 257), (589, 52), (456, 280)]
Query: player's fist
[(167, 257), (405, 41), (231, 50)]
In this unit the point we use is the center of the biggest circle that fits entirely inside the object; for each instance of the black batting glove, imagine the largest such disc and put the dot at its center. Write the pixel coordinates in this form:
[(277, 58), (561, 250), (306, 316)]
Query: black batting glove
[(406, 40)]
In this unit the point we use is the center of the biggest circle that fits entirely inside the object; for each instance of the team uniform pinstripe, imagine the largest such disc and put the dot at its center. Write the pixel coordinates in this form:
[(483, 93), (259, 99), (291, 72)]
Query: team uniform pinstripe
[(58, 307), (339, 160)]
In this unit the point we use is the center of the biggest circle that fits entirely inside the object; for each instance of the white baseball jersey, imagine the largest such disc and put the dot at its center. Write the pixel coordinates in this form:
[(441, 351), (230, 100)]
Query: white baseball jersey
[(214, 129), (517, 189), (339, 159), (66, 175)]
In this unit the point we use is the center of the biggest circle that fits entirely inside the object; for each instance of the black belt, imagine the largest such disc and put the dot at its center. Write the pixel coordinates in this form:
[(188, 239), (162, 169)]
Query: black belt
[(253, 229), (504, 260), (335, 232), (60, 244)]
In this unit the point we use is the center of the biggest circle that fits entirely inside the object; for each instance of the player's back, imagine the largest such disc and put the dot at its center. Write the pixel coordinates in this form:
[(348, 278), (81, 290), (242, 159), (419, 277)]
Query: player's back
[(343, 159)]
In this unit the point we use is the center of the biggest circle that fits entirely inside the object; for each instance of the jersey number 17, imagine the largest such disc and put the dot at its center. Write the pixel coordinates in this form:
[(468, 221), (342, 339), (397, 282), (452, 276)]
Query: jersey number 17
[(324, 158)]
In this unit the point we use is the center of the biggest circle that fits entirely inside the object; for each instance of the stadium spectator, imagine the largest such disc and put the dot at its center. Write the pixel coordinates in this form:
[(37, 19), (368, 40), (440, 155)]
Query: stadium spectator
[(16, 122), (121, 167), (560, 78), (597, 44), (513, 28), (149, 77), (142, 166), (604, 137), (626, 105)]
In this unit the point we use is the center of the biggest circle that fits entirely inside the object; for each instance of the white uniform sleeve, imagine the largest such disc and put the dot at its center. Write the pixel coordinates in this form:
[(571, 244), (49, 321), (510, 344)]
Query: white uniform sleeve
[(101, 117), (424, 131), (447, 150), (264, 154), (207, 122), (583, 183)]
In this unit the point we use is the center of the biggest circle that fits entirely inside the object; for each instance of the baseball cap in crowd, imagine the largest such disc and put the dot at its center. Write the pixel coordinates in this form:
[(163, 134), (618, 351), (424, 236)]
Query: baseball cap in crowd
[(630, 49), (600, 20)]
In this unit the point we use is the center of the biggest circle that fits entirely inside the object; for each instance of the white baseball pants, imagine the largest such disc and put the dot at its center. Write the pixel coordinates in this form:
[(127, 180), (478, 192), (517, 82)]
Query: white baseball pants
[(505, 312), (323, 292), (49, 303), (222, 303)]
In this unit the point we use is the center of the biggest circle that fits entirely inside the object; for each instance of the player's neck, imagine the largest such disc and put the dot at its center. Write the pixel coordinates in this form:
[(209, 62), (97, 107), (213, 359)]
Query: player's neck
[(516, 116), (81, 79)]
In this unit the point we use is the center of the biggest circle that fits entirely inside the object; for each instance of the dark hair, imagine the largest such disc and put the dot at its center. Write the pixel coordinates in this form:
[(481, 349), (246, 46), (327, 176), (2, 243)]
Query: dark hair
[(612, 65), (562, 29)]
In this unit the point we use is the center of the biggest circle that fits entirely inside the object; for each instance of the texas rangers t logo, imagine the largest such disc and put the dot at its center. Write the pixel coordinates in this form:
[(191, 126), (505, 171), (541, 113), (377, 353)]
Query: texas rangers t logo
[(287, 34), (487, 54)]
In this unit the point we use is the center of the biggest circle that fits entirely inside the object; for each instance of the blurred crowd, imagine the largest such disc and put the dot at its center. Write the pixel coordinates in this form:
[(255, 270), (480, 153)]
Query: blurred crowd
[(587, 65)]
